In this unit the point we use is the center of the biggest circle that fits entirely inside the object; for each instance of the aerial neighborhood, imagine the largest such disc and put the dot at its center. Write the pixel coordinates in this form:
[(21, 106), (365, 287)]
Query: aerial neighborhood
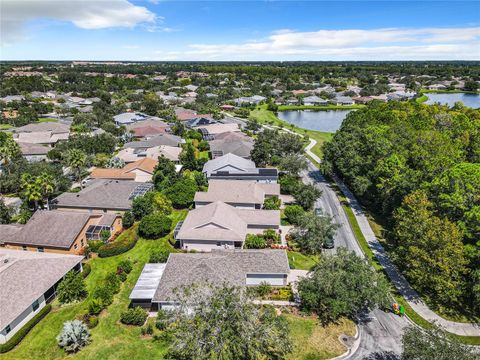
[(130, 192)]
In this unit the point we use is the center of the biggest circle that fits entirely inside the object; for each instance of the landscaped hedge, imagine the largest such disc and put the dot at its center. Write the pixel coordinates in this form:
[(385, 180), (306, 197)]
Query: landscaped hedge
[(86, 270), (15, 339), (120, 245)]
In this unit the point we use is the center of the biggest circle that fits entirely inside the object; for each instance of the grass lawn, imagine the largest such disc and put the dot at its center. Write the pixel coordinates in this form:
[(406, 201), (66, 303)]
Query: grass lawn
[(5, 126), (320, 107), (40, 120), (263, 116), (421, 99), (110, 340), (311, 341), (299, 261)]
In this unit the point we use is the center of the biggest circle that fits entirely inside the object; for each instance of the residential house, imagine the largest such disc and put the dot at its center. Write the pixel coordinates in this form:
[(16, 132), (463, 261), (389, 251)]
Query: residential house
[(148, 128), (227, 107), (141, 171), (44, 133), (64, 232), (256, 99), (362, 99), (156, 285), (219, 147), (238, 193), (129, 118), (200, 120), (233, 167), (34, 152), (158, 140), (130, 155), (222, 226), (314, 101), (29, 281), (218, 128), (437, 87), (342, 100), (9, 98), (103, 196)]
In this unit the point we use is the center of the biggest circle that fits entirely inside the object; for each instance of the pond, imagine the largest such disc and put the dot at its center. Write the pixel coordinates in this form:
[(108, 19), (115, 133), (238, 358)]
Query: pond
[(469, 100), (325, 121)]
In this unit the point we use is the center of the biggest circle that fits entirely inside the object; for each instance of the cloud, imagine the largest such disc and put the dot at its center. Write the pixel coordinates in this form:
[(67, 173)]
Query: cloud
[(92, 14), (375, 44)]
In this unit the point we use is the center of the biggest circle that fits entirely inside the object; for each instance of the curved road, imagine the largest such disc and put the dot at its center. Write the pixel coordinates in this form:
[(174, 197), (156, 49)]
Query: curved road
[(380, 332)]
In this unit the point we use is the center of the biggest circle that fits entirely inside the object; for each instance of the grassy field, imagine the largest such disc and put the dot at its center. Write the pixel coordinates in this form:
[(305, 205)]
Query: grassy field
[(300, 261), (47, 120), (5, 126), (311, 341), (263, 116), (421, 99), (448, 91), (320, 107)]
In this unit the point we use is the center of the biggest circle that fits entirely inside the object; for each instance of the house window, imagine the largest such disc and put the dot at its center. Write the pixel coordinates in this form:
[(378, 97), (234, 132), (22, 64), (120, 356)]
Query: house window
[(81, 242), (40, 249), (35, 305), (24, 248), (8, 329)]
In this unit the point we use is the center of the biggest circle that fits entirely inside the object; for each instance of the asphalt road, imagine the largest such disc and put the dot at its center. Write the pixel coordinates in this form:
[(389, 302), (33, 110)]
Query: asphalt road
[(380, 332)]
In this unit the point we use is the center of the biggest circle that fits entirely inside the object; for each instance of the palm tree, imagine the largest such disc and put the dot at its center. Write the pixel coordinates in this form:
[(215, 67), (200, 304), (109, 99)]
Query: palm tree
[(76, 160), (47, 185), (31, 189), (9, 150)]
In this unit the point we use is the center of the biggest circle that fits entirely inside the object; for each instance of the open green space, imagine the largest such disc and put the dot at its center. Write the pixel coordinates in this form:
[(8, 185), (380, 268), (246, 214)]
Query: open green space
[(299, 261), (5, 126), (265, 117), (40, 120), (311, 341), (421, 99)]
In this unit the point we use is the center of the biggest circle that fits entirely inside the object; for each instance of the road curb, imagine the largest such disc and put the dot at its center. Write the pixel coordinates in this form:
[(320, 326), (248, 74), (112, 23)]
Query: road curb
[(353, 349)]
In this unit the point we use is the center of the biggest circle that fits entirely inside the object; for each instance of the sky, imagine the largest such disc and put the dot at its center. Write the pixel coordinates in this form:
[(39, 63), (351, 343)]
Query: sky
[(162, 30)]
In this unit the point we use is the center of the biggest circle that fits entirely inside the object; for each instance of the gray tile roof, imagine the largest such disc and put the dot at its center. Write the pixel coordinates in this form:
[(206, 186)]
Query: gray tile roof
[(25, 276), (50, 228), (237, 192), (100, 194), (220, 221), (240, 148), (33, 149), (8, 230), (227, 161), (217, 268), (162, 139), (53, 126)]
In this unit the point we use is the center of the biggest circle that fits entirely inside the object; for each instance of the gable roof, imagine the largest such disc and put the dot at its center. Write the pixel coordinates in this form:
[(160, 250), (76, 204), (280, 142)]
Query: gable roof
[(101, 194), (241, 148), (146, 164), (25, 276), (51, 126), (162, 139), (50, 228), (33, 149), (219, 128), (133, 154), (237, 192), (217, 268), (230, 160)]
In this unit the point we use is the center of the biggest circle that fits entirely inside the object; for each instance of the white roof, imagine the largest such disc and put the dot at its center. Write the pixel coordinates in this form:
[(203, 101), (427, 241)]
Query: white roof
[(148, 281)]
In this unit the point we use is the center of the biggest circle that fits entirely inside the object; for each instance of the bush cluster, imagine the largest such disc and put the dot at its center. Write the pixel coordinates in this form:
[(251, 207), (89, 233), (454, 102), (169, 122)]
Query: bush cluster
[(293, 213), (134, 316), (90, 320), (159, 256), (128, 219), (102, 296), (20, 334), (122, 244), (86, 269), (71, 288), (154, 226)]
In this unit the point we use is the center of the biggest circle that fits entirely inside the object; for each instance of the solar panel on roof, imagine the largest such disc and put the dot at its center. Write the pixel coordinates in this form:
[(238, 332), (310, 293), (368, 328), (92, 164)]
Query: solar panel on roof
[(140, 190)]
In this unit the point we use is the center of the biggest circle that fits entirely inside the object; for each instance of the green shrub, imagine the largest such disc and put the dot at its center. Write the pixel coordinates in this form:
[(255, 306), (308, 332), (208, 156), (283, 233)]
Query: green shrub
[(255, 242), (103, 293), (95, 306), (147, 330), (94, 245), (159, 256), (20, 334), (263, 289), (92, 322), (122, 244), (270, 236), (71, 288), (86, 270), (122, 276), (105, 235), (162, 320), (125, 265), (293, 213), (134, 316), (288, 184), (141, 206), (181, 193), (154, 226), (112, 282), (272, 203), (128, 219)]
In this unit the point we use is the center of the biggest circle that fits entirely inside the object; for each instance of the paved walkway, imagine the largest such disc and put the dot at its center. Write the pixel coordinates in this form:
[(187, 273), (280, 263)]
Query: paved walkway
[(402, 285)]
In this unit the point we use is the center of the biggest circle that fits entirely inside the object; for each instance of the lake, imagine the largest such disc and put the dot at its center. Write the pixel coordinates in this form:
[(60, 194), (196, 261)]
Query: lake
[(325, 121), (469, 100)]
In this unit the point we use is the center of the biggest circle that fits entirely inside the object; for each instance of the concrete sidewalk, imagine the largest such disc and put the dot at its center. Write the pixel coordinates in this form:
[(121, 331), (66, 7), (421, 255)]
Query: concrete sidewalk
[(402, 285)]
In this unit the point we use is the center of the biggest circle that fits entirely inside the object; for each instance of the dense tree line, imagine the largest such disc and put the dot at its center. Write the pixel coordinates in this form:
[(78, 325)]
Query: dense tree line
[(418, 167)]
